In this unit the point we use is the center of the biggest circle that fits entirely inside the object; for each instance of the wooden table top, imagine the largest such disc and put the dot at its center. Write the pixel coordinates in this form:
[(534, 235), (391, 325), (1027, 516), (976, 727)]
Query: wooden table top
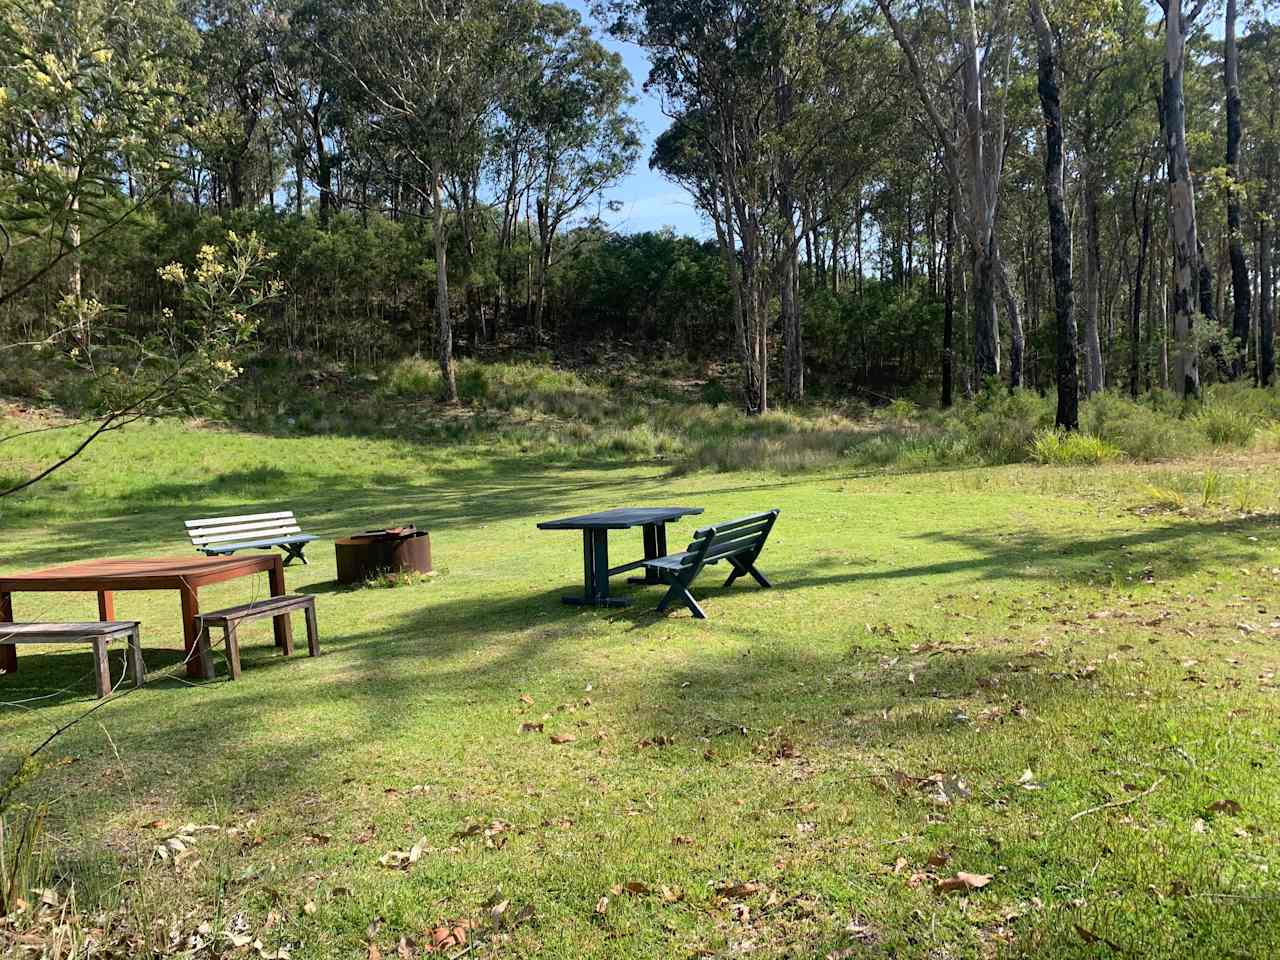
[(620, 518), (144, 573)]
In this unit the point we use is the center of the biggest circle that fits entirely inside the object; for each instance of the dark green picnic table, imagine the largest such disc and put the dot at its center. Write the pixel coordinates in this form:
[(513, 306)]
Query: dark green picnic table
[(595, 529)]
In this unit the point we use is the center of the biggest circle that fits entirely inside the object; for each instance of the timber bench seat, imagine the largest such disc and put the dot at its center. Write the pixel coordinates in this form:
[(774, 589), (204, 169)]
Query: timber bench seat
[(218, 536), (231, 618), (737, 542), (100, 633)]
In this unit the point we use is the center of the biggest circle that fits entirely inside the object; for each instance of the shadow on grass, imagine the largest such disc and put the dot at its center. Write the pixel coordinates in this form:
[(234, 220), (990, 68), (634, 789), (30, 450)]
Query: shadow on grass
[(474, 655)]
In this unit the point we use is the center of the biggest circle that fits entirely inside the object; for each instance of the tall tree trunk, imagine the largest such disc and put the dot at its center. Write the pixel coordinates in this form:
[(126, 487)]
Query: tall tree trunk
[(1266, 285), (1068, 412), (543, 265), (1017, 339), (1182, 202), (1135, 311), (1091, 342), (948, 306), (444, 344), (1240, 292), (986, 335)]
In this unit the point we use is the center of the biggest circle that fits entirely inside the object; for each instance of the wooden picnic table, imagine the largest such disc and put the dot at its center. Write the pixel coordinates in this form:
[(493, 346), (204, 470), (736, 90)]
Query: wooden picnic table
[(595, 529), (184, 574)]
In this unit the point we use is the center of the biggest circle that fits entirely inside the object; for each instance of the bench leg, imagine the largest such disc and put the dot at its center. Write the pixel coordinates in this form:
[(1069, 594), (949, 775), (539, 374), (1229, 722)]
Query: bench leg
[(741, 567), (678, 591), (232, 639), (313, 633), (8, 651), (101, 667), (203, 656), (136, 666)]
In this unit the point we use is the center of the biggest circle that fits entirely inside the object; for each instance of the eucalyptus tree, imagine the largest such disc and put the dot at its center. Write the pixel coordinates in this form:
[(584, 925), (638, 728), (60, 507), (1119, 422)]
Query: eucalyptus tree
[(1105, 63), (429, 77), (306, 89), (1047, 53), (580, 138), (1183, 233), (1240, 292), (1260, 63), (763, 96), (969, 118), (234, 81)]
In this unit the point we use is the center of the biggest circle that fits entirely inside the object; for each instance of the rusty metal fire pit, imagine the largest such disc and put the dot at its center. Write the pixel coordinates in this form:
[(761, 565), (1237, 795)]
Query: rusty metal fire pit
[(363, 556)]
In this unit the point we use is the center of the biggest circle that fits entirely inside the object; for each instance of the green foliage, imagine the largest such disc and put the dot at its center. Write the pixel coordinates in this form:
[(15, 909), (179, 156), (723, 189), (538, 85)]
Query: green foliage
[(1225, 426), (1060, 448), (22, 850)]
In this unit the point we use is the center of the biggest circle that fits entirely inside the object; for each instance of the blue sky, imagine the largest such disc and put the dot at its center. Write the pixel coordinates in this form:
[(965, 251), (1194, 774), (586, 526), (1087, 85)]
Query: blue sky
[(649, 202)]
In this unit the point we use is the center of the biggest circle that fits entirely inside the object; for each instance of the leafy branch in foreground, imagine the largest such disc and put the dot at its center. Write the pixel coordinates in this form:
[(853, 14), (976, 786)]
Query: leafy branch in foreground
[(180, 369)]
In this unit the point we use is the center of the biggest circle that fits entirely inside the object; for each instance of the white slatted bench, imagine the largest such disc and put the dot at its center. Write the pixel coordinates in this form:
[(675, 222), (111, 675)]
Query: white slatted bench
[(217, 536), (231, 618), (100, 633)]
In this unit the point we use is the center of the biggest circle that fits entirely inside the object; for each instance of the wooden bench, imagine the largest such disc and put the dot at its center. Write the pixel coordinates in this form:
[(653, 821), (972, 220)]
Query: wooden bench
[(231, 618), (99, 633), (217, 536), (737, 541)]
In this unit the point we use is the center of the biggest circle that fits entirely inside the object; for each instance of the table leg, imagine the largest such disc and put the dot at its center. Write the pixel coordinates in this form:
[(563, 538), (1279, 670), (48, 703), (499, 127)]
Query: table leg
[(199, 664), (283, 628), (655, 546), (9, 651), (106, 605), (595, 572)]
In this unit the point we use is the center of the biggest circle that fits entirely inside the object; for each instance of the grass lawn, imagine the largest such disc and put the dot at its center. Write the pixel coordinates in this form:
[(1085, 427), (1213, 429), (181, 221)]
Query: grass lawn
[(1006, 672)]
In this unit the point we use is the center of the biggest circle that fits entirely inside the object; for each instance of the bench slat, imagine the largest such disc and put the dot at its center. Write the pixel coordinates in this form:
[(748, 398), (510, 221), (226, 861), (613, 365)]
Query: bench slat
[(731, 524), (255, 525), (270, 607), (64, 632), (247, 533), (232, 546), (248, 517)]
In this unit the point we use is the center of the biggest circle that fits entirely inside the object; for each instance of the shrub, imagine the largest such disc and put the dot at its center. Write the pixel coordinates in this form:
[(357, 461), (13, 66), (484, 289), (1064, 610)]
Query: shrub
[(1226, 426), (1143, 431), (1062, 448)]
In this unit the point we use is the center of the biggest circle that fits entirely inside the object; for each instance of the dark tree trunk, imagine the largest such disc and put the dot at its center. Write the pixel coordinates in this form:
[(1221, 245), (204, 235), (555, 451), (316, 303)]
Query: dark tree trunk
[(1266, 286), (1240, 305), (1068, 413)]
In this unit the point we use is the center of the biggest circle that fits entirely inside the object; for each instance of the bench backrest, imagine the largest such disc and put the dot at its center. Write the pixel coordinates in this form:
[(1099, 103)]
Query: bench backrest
[(213, 531), (731, 538)]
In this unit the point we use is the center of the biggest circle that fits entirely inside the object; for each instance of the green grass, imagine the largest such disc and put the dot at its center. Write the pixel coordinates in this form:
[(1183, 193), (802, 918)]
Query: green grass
[(1018, 672)]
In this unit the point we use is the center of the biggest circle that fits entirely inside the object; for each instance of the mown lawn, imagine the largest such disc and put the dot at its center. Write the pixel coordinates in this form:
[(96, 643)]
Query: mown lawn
[(1008, 672)]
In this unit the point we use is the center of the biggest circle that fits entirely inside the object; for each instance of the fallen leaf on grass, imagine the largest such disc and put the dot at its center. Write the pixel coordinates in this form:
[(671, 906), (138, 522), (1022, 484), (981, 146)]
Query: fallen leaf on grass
[(403, 859), (374, 953), (309, 908), (1229, 807), (963, 882), (559, 738), (602, 905), (939, 859), (737, 891), (530, 728), (526, 700), (1088, 936), (680, 840), (672, 894)]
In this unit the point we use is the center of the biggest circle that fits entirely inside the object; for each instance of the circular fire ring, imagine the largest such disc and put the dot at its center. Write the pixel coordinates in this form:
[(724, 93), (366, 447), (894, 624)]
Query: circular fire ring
[(363, 556)]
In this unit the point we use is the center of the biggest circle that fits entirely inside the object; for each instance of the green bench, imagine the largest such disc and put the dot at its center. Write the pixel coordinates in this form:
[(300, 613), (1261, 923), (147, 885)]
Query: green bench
[(738, 542)]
